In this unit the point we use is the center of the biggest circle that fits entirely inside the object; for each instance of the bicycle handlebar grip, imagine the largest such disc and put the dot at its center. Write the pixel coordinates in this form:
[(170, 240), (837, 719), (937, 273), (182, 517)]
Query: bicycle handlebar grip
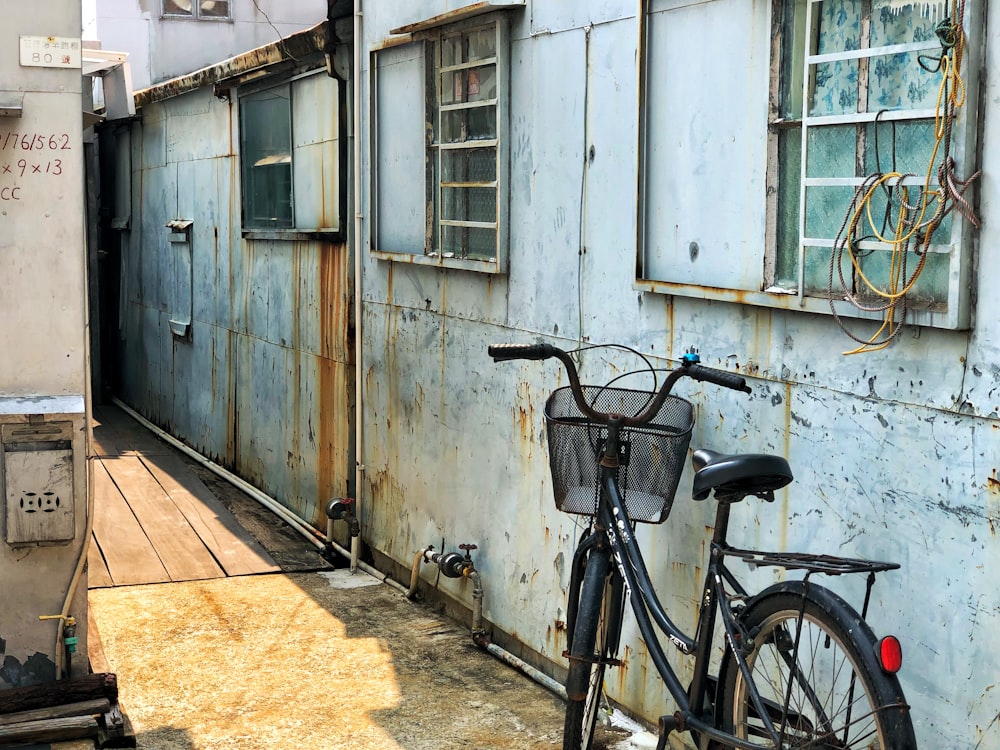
[(719, 377), (504, 352)]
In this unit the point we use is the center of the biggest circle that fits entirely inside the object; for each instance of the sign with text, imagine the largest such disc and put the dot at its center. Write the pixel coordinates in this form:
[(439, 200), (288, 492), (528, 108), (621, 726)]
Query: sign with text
[(29, 156), (50, 52)]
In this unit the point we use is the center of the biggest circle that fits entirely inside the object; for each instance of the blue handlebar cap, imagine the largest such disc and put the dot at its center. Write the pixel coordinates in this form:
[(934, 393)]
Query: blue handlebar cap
[(690, 358)]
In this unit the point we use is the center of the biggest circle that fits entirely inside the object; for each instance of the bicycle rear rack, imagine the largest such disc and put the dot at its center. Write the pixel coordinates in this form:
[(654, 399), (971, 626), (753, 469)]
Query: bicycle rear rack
[(825, 564), (828, 564)]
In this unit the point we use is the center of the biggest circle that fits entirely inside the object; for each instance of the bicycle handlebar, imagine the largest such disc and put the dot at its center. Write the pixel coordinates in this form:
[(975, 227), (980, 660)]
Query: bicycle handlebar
[(505, 352), (689, 368), (718, 377)]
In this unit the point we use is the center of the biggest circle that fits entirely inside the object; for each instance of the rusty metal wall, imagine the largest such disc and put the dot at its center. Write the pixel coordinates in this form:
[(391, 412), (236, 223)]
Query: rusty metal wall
[(262, 380), (895, 452)]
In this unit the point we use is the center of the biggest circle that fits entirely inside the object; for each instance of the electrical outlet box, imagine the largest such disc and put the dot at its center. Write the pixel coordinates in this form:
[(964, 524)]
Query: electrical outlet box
[(38, 483)]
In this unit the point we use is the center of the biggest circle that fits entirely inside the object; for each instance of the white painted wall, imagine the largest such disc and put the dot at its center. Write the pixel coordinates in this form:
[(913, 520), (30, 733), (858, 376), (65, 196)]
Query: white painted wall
[(162, 48), (43, 370)]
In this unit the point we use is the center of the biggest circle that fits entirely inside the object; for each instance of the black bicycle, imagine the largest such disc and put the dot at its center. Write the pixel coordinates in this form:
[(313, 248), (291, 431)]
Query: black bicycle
[(800, 668)]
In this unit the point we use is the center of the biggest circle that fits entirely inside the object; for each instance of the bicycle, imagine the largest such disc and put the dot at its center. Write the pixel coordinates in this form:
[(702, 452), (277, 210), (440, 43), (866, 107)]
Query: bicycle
[(800, 668)]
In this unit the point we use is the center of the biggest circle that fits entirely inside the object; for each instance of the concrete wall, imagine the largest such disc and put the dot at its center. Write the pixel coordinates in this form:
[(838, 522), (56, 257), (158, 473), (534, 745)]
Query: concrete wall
[(43, 371), (161, 48), (895, 452), (261, 378)]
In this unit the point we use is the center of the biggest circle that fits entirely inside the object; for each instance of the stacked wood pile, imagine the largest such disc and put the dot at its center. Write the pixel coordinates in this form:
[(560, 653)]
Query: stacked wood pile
[(69, 710)]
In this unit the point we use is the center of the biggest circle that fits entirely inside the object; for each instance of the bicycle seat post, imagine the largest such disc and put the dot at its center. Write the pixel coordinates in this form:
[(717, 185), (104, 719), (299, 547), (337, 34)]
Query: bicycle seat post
[(721, 523)]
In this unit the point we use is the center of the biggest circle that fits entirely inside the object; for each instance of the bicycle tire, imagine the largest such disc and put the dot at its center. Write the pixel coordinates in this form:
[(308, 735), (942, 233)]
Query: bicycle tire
[(585, 679), (855, 705)]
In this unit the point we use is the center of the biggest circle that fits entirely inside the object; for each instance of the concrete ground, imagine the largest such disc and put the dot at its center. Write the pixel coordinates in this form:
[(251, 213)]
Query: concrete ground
[(312, 660), (296, 655)]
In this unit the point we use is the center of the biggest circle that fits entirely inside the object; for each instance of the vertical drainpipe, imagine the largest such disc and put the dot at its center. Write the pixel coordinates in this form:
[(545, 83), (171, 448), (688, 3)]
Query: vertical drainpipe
[(358, 219)]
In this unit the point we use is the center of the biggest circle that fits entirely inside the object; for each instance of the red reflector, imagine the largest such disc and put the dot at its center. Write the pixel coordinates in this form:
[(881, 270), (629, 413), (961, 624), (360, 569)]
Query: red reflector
[(890, 654)]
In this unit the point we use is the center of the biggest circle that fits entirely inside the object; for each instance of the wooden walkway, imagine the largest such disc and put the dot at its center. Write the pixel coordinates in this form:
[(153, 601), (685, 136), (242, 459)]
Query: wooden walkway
[(155, 520)]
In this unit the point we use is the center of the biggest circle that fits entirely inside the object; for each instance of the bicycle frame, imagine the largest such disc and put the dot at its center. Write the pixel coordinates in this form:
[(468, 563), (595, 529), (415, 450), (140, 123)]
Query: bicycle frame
[(613, 525)]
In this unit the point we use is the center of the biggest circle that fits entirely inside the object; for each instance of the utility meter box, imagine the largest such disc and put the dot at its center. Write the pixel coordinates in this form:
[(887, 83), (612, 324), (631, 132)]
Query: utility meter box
[(37, 472)]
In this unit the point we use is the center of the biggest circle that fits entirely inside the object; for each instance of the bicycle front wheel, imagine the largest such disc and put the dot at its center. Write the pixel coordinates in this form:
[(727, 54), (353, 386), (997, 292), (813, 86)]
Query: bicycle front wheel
[(594, 641), (813, 661)]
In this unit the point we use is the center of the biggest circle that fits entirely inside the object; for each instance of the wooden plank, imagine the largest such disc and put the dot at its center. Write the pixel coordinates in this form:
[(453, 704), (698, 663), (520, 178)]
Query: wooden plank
[(117, 729), (49, 730), (106, 443), (129, 436), (233, 547), (95, 648), (94, 707), (98, 576), (129, 554), (181, 551), (48, 694), (286, 546)]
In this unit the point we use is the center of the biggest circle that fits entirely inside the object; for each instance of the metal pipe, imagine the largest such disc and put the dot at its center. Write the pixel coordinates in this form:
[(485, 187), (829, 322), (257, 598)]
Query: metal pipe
[(508, 658), (359, 469), (477, 602)]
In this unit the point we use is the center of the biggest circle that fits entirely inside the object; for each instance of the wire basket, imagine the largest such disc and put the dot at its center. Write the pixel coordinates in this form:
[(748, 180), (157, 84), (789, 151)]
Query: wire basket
[(652, 456)]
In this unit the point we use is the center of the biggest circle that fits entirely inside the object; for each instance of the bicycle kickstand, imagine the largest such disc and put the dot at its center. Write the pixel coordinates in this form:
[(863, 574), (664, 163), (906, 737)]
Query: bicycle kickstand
[(667, 724)]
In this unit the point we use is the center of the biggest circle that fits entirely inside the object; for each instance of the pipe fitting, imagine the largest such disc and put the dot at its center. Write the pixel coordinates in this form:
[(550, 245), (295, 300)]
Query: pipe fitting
[(451, 564)]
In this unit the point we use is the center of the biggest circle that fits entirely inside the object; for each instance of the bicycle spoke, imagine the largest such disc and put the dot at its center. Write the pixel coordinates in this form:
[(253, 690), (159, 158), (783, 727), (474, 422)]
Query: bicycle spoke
[(810, 689)]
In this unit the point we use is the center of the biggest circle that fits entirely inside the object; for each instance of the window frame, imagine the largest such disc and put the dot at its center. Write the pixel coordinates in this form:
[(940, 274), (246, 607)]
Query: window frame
[(957, 314), (195, 14), (428, 40), (247, 222), (296, 230)]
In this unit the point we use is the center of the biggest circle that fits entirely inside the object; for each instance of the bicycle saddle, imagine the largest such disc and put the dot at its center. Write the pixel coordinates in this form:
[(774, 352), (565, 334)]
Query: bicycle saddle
[(733, 477)]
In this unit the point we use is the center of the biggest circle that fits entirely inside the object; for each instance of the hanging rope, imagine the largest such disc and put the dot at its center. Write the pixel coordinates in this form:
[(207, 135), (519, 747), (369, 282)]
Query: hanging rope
[(905, 226)]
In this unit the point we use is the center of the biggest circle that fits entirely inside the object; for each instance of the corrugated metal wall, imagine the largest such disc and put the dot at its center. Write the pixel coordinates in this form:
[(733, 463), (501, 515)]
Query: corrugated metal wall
[(895, 452), (262, 381)]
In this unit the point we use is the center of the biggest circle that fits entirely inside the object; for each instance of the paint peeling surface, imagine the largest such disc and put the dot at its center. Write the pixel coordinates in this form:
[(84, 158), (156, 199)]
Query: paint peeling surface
[(262, 379), (895, 453)]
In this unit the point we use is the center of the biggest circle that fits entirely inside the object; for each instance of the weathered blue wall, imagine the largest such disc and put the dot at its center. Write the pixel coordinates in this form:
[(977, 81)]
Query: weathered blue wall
[(895, 452), (264, 381)]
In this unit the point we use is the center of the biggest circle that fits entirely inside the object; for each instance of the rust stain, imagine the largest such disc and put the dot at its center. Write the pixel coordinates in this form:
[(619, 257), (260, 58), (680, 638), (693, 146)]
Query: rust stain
[(258, 61), (670, 326), (993, 482), (335, 399), (621, 672), (294, 453), (449, 16), (391, 531)]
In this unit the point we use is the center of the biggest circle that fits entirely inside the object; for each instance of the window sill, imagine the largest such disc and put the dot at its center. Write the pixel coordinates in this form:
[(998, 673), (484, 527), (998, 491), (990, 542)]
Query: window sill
[(292, 235), (790, 301), (461, 264), (166, 17)]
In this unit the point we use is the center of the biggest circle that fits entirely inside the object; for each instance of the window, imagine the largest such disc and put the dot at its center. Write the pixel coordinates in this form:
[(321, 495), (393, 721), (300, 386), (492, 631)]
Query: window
[(732, 212), (440, 129), (289, 154), (266, 132), (208, 10)]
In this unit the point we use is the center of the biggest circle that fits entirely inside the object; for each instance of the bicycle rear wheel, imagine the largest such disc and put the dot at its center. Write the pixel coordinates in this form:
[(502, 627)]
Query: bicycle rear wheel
[(829, 692), (595, 632)]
